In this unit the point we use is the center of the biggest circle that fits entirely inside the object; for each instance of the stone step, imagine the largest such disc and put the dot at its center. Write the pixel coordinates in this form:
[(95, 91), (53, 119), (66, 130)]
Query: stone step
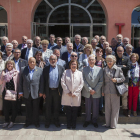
[(122, 119)]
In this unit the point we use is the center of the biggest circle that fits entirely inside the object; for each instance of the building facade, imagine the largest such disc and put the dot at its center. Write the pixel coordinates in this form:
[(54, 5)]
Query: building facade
[(69, 17)]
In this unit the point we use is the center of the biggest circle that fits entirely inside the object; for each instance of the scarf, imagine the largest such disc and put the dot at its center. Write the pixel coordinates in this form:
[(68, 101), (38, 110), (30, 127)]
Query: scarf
[(9, 75), (134, 70)]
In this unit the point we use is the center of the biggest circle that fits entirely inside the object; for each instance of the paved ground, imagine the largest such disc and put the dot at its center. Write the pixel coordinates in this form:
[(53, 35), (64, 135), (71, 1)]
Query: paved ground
[(123, 132)]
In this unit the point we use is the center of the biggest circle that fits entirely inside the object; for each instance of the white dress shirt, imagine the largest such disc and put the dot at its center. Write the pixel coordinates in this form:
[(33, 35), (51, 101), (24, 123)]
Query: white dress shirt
[(30, 53)]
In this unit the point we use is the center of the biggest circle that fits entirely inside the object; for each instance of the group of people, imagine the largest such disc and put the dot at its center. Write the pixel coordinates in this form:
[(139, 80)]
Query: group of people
[(65, 75)]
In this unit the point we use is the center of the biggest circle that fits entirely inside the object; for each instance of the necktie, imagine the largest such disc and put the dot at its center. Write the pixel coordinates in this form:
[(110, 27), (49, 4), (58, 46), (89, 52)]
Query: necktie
[(92, 71), (27, 54)]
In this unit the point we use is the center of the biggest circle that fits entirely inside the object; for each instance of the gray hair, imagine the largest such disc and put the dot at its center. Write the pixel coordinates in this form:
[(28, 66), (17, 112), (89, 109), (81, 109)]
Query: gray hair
[(17, 49), (53, 55), (69, 44), (77, 35), (108, 48), (52, 35), (106, 43), (30, 40), (9, 44), (56, 50), (126, 38), (25, 36), (13, 41), (36, 37), (129, 45), (94, 39), (5, 38), (102, 36), (92, 55), (85, 38), (119, 35), (111, 57)]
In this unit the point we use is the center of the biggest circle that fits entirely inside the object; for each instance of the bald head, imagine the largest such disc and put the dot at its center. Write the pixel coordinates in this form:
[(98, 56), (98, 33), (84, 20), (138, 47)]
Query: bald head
[(74, 56), (32, 63)]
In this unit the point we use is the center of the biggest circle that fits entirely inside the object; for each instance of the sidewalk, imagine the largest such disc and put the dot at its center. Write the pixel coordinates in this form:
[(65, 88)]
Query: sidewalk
[(123, 132)]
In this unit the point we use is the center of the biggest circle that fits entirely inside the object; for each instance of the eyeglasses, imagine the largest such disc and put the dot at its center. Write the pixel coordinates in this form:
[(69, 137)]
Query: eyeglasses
[(73, 55)]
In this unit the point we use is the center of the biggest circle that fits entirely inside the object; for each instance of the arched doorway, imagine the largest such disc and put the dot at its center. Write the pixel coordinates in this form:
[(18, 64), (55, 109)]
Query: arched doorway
[(135, 23), (69, 17), (3, 23)]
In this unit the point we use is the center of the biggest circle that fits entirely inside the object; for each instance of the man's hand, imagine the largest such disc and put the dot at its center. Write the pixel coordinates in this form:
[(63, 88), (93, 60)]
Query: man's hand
[(124, 65), (92, 92), (103, 94), (44, 96), (40, 94), (20, 95), (114, 80), (70, 94)]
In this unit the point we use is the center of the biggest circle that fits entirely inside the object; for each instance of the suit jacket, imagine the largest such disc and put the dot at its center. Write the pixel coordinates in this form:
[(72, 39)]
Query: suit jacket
[(28, 86), (62, 49), (3, 48), (100, 46), (44, 86), (92, 81), (65, 56), (22, 63), (125, 61), (40, 47), (23, 52), (73, 85), (61, 63), (108, 86), (80, 49)]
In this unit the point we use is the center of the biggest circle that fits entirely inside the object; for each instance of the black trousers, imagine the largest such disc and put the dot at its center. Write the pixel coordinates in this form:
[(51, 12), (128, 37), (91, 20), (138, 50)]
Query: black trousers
[(32, 110), (7, 106), (52, 100), (71, 114)]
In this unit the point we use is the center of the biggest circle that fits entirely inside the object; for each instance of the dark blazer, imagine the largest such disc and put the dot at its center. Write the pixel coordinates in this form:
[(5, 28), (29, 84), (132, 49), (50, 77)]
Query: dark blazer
[(28, 86), (80, 49), (44, 86), (62, 49), (3, 48), (23, 52), (126, 62), (40, 47), (65, 57), (19, 46), (22, 63), (100, 46)]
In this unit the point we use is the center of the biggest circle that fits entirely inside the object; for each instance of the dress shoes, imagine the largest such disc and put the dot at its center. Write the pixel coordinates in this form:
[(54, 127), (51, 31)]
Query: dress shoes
[(37, 125), (101, 113), (26, 125), (57, 124), (47, 125), (86, 124), (125, 112), (95, 125)]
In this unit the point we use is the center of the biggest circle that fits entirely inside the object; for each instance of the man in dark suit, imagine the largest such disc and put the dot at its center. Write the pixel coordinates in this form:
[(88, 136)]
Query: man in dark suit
[(24, 43), (4, 41), (28, 52), (102, 40), (60, 46), (124, 63), (66, 55), (37, 44), (19, 63), (77, 46), (29, 88), (51, 88)]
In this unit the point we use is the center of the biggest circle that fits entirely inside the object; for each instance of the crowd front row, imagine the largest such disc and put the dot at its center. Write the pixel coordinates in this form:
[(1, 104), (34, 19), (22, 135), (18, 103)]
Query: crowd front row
[(56, 85)]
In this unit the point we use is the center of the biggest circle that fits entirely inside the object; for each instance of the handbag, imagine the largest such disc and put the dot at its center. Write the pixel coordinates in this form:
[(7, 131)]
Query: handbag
[(10, 95), (121, 88)]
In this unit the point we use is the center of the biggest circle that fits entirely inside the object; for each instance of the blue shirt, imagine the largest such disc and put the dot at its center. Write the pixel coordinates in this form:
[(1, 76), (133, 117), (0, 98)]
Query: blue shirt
[(50, 46), (53, 77), (31, 72), (69, 54), (77, 46), (16, 65)]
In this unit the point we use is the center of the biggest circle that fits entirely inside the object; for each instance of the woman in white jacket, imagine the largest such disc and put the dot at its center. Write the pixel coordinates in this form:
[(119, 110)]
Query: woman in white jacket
[(72, 84)]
